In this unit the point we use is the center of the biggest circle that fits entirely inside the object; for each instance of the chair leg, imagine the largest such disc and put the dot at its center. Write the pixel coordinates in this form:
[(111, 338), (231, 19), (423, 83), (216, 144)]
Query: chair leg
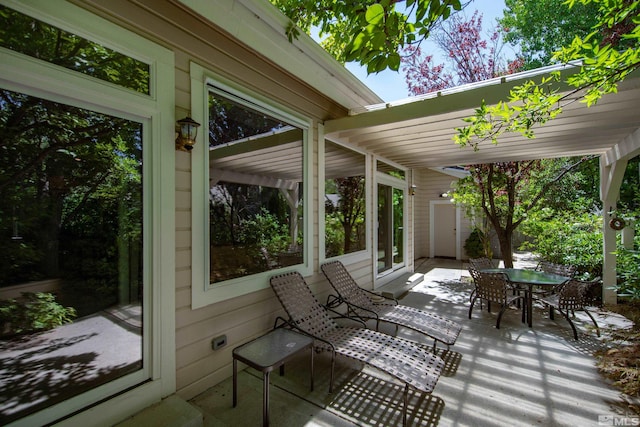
[(404, 406), (502, 310), (473, 301), (551, 313), (594, 321), (566, 316), (333, 363)]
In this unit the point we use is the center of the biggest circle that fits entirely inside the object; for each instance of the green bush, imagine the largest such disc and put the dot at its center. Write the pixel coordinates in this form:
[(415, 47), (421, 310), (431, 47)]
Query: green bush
[(32, 313), (568, 239), (474, 245), (628, 267)]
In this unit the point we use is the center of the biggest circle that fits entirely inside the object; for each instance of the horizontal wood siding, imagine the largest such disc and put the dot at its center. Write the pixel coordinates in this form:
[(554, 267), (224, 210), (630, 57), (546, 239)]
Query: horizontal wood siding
[(430, 184), (192, 38)]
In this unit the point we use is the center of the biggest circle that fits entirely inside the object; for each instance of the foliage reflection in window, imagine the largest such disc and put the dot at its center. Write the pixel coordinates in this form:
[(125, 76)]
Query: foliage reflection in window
[(70, 221), (255, 194), (345, 228), (24, 34), (390, 170)]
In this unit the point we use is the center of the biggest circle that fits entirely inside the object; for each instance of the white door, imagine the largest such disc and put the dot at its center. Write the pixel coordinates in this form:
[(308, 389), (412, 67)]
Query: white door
[(444, 218)]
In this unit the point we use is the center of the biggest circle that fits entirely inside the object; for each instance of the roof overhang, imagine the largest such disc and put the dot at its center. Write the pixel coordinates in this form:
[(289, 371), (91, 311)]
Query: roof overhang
[(262, 27), (418, 132)]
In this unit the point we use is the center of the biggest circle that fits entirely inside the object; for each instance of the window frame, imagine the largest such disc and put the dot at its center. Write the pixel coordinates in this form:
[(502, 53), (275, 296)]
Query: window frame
[(112, 402), (203, 293), (395, 183), (352, 257)]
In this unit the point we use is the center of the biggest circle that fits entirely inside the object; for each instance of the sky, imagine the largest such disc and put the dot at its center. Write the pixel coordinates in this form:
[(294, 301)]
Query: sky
[(390, 85)]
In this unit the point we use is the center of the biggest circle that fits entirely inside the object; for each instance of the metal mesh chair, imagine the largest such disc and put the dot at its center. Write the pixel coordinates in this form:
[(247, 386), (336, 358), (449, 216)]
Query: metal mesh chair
[(559, 269), (360, 305), (495, 287), (552, 268), (475, 265), (400, 358), (572, 296), (480, 263)]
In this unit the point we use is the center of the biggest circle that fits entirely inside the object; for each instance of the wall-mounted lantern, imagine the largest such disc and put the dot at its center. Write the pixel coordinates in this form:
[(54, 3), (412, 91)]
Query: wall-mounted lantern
[(187, 129), (412, 190)]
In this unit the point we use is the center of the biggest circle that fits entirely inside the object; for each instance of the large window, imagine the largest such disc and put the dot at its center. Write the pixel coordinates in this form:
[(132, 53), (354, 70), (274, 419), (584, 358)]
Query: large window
[(256, 213), (70, 251), (344, 201), (81, 151)]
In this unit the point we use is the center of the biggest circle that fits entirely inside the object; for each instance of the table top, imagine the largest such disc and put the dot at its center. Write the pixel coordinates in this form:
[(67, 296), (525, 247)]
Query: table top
[(272, 349), (530, 277)]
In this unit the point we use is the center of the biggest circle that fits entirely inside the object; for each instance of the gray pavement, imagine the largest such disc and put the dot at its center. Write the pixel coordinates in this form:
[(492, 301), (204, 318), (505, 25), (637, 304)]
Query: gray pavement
[(516, 376)]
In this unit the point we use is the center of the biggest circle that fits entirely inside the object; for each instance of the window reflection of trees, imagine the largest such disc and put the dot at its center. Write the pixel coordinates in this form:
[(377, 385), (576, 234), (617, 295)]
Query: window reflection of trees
[(345, 228), (70, 214), (255, 194)]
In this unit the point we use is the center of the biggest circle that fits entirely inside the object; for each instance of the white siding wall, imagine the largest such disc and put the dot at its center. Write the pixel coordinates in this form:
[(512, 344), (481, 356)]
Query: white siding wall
[(430, 184)]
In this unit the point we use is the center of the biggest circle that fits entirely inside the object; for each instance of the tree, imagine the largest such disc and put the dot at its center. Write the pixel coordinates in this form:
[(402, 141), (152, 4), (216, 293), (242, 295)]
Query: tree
[(605, 57), (469, 57), (540, 27), (368, 31), (508, 193), (349, 210)]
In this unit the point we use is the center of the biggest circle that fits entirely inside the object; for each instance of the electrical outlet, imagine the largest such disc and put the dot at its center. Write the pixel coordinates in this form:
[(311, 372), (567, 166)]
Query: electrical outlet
[(219, 342)]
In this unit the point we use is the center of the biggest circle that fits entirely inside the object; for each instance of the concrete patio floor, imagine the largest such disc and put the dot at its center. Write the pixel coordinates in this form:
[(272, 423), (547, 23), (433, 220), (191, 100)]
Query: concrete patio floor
[(515, 375)]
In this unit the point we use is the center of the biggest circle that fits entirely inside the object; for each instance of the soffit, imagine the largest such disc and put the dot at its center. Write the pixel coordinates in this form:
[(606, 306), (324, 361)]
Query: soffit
[(418, 132)]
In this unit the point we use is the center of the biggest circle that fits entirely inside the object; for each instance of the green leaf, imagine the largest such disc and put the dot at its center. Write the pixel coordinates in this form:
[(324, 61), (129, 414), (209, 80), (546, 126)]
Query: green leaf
[(374, 14)]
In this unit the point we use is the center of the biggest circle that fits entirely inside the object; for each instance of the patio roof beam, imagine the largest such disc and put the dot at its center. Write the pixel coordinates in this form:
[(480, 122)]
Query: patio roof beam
[(217, 175), (628, 148)]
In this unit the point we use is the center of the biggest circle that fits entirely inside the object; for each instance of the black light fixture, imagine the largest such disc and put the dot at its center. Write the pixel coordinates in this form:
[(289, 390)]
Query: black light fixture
[(444, 195), (412, 190), (187, 132)]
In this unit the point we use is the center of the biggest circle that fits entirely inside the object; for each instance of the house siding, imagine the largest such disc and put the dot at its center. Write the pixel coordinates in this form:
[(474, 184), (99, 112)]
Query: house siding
[(172, 25), (430, 184)]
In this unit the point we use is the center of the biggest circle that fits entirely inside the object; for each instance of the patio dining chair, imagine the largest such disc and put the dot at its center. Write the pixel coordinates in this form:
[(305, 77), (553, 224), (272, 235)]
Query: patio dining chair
[(572, 296), (552, 268), (475, 265), (496, 287), (364, 305), (402, 359), (481, 263), (559, 269)]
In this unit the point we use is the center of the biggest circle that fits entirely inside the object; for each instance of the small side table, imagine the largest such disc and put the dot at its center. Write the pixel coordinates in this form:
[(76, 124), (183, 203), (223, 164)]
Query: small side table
[(267, 353)]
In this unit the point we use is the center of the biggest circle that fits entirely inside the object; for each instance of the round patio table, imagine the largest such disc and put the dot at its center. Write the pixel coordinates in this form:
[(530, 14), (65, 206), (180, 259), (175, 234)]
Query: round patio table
[(526, 280)]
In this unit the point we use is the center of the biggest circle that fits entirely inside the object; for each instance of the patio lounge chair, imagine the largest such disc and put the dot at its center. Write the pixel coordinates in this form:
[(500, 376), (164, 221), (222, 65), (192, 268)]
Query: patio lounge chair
[(400, 358), (572, 296), (361, 305), (495, 287)]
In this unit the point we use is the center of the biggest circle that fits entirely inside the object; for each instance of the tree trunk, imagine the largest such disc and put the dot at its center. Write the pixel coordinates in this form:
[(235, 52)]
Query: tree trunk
[(506, 250)]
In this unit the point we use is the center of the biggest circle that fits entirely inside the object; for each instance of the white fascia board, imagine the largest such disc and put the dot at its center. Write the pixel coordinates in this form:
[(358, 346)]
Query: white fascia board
[(261, 26), (452, 171)]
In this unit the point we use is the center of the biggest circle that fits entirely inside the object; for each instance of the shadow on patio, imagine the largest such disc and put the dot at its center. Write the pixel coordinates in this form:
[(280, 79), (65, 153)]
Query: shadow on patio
[(512, 376)]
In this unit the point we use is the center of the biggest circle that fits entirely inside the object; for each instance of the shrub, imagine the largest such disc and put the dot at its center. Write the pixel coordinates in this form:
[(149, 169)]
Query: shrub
[(628, 267), (474, 245), (32, 313), (573, 240)]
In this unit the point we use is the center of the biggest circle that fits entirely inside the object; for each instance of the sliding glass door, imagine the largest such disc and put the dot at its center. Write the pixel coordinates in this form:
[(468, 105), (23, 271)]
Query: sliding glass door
[(391, 222)]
